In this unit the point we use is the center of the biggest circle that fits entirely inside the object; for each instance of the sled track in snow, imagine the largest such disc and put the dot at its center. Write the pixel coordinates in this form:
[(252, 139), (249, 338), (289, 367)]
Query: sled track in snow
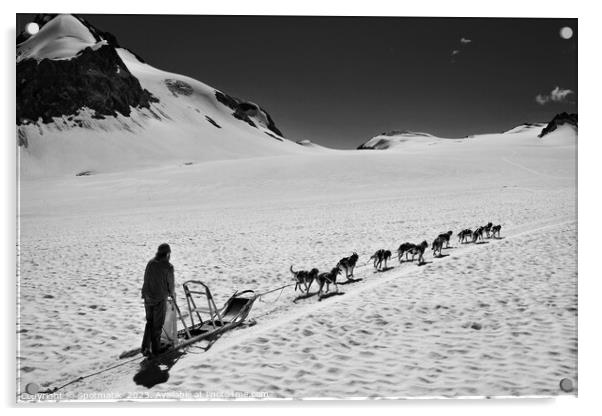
[(530, 170)]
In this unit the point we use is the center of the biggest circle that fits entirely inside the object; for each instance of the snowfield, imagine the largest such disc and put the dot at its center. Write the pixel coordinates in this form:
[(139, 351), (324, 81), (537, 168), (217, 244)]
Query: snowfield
[(498, 318)]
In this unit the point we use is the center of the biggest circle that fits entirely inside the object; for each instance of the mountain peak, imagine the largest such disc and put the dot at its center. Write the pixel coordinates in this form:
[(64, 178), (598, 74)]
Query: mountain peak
[(60, 37), (68, 66), (559, 120)]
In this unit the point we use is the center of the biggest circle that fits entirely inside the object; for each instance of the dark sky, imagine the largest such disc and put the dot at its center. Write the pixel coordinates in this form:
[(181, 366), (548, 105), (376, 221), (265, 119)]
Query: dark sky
[(339, 81)]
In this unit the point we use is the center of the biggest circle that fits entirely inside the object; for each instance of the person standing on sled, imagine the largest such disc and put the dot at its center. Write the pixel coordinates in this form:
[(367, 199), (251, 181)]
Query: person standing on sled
[(158, 285)]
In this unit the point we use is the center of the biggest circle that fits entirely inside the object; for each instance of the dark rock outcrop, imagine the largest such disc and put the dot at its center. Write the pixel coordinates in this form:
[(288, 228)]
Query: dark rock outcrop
[(178, 87), (273, 136), (404, 133), (213, 122), (559, 120), (244, 110), (364, 146), (97, 79)]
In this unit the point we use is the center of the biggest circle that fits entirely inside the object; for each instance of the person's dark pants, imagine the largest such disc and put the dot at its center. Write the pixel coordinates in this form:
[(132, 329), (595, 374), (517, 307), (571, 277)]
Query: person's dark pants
[(155, 317)]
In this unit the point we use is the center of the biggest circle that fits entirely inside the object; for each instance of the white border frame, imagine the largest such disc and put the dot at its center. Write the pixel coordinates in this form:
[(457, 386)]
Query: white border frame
[(589, 224)]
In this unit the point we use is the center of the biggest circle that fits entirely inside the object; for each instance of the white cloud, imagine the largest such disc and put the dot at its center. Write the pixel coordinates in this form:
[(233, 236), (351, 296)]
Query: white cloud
[(541, 99), (455, 52), (557, 95), (465, 41)]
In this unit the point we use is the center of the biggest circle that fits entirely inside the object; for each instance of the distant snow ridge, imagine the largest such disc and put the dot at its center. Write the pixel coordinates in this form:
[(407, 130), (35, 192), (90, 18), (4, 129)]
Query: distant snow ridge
[(100, 107), (394, 138), (526, 127)]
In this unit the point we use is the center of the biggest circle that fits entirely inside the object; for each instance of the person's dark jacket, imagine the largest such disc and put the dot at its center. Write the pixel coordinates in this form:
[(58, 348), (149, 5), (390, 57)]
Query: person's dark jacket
[(158, 281)]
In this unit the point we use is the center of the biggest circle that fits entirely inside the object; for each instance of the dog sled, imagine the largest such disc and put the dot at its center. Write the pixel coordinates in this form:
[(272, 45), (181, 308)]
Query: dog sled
[(203, 321)]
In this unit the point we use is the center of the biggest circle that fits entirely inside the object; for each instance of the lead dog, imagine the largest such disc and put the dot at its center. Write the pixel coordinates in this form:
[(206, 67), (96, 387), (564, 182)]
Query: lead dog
[(348, 264), (305, 278)]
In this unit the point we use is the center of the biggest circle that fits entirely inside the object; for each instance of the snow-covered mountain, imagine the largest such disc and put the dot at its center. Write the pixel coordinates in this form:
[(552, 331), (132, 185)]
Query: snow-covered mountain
[(395, 138), (561, 130), (84, 103)]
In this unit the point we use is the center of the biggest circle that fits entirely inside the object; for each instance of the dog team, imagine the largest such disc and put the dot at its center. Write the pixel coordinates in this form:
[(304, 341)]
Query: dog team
[(468, 236), (304, 279)]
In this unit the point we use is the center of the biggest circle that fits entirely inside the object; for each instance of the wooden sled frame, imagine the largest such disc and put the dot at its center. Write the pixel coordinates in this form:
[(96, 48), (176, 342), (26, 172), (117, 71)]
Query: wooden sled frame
[(216, 320), (211, 320)]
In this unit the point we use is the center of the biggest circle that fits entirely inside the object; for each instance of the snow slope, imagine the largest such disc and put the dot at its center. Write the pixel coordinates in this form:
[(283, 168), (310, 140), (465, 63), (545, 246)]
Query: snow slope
[(187, 124), (565, 135)]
